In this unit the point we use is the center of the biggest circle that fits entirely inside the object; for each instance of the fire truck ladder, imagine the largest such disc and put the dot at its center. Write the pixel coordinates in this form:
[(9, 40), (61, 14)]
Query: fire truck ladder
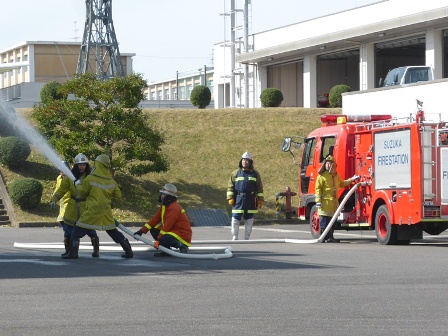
[(429, 152)]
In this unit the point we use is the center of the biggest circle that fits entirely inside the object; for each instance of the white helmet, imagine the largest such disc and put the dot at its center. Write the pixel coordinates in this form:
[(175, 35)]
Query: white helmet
[(81, 158), (247, 155), (169, 189)]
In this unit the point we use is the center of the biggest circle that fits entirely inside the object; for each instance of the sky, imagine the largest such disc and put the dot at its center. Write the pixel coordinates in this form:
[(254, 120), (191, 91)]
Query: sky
[(166, 35)]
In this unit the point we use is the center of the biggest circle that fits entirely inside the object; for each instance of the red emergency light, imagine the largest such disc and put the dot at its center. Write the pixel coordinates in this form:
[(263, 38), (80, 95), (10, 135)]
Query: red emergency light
[(342, 119)]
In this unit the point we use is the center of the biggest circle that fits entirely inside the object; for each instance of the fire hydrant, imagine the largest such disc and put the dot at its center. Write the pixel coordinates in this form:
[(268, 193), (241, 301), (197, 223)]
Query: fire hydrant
[(288, 194)]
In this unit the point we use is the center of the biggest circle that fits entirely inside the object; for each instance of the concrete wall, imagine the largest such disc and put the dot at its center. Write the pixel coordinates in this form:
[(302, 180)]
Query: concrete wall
[(25, 95), (171, 104), (400, 101)]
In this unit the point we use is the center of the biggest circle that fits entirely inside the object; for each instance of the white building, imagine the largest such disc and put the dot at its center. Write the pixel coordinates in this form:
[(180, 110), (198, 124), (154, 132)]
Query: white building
[(180, 87), (355, 47)]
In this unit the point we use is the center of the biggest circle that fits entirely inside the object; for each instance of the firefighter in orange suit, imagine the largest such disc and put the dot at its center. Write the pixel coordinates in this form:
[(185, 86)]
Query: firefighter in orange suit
[(170, 226), (327, 184)]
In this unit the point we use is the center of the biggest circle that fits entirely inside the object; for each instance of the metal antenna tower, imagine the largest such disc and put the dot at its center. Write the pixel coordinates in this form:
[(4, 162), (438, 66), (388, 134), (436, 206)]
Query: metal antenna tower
[(99, 52)]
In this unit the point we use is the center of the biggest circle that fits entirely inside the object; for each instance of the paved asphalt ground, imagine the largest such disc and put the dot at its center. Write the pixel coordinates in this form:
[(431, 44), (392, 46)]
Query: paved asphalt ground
[(357, 287)]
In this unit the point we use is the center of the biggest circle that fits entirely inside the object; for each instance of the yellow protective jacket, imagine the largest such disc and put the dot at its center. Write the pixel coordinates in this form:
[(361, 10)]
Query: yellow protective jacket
[(63, 200), (75, 205), (101, 193), (327, 186)]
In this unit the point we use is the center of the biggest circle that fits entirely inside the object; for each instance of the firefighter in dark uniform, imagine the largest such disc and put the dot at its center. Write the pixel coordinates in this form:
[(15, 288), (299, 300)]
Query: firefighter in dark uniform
[(245, 195)]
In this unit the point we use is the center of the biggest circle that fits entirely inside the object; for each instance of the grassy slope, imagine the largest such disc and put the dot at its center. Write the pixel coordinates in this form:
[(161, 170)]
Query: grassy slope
[(203, 147)]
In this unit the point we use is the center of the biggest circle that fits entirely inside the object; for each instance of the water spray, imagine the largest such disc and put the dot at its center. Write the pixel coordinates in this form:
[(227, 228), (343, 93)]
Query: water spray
[(19, 125)]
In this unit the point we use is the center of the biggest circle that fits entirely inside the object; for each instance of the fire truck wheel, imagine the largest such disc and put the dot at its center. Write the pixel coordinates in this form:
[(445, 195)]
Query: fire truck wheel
[(385, 232), (314, 223)]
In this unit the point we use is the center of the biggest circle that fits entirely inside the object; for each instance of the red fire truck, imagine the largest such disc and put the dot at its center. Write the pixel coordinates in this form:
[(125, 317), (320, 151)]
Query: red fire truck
[(403, 169)]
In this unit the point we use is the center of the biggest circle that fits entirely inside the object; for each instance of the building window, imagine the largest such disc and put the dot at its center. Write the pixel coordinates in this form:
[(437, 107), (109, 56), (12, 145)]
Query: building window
[(182, 92)]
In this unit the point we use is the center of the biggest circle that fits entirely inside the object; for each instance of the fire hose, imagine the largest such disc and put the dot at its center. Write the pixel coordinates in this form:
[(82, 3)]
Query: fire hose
[(227, 252), (333, 220)]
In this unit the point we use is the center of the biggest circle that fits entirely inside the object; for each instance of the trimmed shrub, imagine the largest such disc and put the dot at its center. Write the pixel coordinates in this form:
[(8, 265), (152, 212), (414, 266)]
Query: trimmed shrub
[(201, 96), (271, 97), (13, 151), (5, 128), (336, 94), (50, 91), (26, 192)]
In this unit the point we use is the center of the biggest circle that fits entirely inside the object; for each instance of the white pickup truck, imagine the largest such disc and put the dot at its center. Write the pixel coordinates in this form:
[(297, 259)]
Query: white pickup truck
[(407, 75)]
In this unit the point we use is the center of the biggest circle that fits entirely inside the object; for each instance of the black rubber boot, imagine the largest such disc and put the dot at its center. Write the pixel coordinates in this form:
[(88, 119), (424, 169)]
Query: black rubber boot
[(330, 239), (96, 246), (67, 246), (74, 247), (182, 248), (126, 248)]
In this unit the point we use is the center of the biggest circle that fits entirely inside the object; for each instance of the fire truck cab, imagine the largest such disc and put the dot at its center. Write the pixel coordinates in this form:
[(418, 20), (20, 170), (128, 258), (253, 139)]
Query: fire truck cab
[(403, 169)]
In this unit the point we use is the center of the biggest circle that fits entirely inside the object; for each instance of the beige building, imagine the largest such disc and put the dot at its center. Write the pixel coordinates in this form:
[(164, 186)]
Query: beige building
[(29, 65)]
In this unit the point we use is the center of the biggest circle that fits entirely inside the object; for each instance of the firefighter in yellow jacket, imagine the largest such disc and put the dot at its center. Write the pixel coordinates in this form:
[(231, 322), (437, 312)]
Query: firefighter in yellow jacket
[(327, 184), (63, 201), (170, 226), (74, 204), (102, 194)]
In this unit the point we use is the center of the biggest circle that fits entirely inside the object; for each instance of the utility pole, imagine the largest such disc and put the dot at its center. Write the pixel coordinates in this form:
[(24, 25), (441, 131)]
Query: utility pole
[(99, 52)]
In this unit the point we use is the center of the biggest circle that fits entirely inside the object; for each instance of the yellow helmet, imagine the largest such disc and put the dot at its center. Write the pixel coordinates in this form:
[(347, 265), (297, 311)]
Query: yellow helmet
[(329, 158), (104, 159)]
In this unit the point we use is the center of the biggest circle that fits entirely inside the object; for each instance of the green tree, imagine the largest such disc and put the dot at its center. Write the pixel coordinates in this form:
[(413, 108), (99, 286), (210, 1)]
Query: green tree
[(200, 96), (104, 118)]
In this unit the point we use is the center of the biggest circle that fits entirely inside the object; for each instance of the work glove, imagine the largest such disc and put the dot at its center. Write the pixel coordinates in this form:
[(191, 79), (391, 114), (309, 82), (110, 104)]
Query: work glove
[(138, 233), (318, 205), (231, 202), (77, 182), (156, 244), (354, 178), (260, 204), (52, 205)]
